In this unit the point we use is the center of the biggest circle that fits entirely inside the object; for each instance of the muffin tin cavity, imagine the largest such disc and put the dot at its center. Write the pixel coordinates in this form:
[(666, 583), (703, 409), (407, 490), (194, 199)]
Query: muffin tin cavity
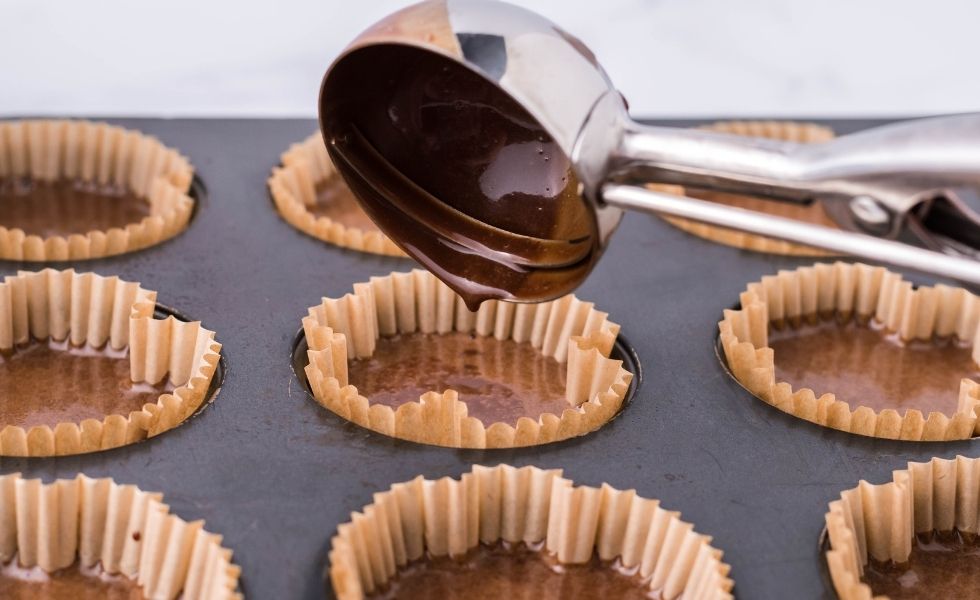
[(403, 356), (75, 190), (87, 363), (498, 521), (913, 537), (85, 538), (857, 348)]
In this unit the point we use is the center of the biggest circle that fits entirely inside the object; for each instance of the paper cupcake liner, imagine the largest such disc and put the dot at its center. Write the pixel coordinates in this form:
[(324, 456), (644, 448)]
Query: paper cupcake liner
[(779, 130), (52, 149), (531, 505), (868, 292), (293, 189), (790, 131), (880, 521), (86, 308), (120, 527), (567, 329)]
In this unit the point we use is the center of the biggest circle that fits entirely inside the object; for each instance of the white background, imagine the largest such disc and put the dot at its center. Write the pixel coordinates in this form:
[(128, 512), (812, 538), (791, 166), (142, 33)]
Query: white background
[(669, 57)]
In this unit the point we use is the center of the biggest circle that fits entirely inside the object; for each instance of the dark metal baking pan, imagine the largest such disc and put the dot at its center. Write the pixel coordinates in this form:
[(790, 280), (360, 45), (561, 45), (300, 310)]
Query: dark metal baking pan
[(275, 473)]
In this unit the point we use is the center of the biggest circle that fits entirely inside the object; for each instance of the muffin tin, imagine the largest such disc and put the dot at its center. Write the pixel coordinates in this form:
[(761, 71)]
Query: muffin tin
[(275, 473)]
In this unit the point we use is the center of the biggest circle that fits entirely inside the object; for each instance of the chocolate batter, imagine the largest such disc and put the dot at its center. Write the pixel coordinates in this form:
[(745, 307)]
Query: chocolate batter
[(46, 383), (73, 583), (863, 365), (64, 207), (335, 201), (503, 571), (943, 566), (458, 174), (498, 380)]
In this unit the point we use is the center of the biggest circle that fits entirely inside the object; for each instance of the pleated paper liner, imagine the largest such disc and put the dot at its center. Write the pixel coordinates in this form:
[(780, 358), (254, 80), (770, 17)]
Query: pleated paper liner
[(423, 519), (305, 170), (568, 330), (879, 524), (871, 294), (812, 213), (98, 157), (89, 311), (115, 529)]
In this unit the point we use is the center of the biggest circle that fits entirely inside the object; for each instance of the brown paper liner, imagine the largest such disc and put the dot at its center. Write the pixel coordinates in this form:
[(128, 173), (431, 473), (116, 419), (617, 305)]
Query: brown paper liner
[(869, 292), (531, 505), (86, 308), (566, 329), (52, 149), (880, 521), (779, 130), (293, 189), (128, 531)]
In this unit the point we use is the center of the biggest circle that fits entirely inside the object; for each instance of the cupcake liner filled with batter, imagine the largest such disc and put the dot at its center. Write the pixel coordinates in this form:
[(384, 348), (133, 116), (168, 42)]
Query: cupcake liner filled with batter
[(506, 532), (312, 197), (857, 348), (86, 538), (813, 212), (85, 365), (75, 190), (403, 356), (914, 537)]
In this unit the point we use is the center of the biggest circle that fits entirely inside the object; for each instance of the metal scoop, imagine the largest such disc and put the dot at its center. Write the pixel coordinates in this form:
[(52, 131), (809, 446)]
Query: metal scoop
[(492, 147)]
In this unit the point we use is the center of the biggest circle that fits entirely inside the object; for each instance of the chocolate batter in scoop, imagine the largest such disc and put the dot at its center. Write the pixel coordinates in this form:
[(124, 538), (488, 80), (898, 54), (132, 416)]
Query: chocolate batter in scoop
[(73, 583), (506, 571), (863, 365), (459, 175), (942, 565), (64, 207), (335, 201), (46, 383), (500, 381)]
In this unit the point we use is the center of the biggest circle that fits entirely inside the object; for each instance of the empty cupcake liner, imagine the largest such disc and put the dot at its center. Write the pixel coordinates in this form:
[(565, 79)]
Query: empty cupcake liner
[(868, 292), (779, 130), (86, 308), (449, 517), (120, 527), (567, 329), (293, 189), (881, 521), (48, 150)]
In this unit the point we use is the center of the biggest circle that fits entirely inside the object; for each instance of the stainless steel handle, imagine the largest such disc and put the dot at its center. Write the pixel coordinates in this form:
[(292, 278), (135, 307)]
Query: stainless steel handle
[(854, 244), (894, 164), (710, 159)]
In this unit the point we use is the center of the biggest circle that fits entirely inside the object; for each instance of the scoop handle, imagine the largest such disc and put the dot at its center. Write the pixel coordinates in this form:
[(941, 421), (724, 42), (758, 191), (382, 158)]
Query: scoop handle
[(843, 242), (891, 163)]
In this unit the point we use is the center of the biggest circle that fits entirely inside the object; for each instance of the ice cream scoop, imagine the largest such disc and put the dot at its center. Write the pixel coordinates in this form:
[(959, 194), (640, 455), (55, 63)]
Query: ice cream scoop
[(491, 146)]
